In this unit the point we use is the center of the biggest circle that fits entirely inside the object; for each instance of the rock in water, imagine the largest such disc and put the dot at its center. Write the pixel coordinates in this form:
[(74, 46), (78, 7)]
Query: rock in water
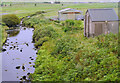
[(28, 73), (23, 67), (27, 44), (24, 77), (21, 50), (10, 47), (14, 46), (33, 66), (5, 70), (3, 50), (32, 59), (29, 62), (18, 67), (21, 79)]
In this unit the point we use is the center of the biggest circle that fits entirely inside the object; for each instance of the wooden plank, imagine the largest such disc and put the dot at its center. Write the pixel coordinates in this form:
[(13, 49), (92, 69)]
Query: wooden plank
[(98, 29)]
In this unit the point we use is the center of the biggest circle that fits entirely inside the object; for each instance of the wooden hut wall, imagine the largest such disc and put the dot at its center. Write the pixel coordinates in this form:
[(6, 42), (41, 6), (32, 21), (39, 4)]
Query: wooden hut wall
[(98, 28), (113, 26), (62, 16)]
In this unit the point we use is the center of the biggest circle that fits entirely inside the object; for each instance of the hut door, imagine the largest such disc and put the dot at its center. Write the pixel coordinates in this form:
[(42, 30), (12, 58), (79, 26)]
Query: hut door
[(98, 29)]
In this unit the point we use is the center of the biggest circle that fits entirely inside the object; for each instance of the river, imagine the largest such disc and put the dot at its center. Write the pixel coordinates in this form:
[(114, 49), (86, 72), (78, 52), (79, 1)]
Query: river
[(19, 55)]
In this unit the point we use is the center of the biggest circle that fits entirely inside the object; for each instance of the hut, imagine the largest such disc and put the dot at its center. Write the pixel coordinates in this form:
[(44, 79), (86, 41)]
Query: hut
[(100, 21), (69, 13)]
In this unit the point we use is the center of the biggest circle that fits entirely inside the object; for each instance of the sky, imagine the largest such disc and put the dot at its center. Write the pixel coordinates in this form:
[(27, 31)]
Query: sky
[(60, 0)]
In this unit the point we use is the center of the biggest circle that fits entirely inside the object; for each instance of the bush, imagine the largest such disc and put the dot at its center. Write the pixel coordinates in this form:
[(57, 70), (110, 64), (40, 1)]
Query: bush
[(11, 20), (65, 46), (69, 25), (47, 31), (42, 34), (3, 35), (37, 13), (33, 22), (69, 22), (73, 57), (41, 41)]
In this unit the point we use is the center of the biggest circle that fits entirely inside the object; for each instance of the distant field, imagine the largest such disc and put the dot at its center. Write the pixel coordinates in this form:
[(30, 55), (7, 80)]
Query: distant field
[(23, 9), (94, 5), (26, 8), (84, 6)]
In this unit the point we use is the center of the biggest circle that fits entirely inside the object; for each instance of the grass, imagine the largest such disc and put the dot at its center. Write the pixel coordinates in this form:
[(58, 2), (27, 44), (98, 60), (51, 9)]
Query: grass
[(24, 9), (94, 5), (84, 6), (72, 57), (3, 35), (69, 56)]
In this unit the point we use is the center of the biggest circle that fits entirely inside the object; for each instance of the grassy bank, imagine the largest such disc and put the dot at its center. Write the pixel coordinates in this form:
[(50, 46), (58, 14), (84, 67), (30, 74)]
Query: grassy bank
[(7, 22), (64, 54), (3, 35)]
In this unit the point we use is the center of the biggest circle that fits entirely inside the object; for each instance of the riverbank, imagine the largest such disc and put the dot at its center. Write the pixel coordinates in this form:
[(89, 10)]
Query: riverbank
[(64, 54), (3, 35), (7, 22)]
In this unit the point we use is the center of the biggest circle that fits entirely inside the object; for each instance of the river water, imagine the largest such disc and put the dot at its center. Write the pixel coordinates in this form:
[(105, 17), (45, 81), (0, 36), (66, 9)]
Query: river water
[(19, 57)]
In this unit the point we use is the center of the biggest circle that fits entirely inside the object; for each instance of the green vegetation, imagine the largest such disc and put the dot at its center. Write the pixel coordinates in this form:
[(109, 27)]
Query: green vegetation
[(3, 35), (43, 34), (94, 5), (66, 55), (84, 6), (72, 25), (10, 20), (7, 21), (24, 9)]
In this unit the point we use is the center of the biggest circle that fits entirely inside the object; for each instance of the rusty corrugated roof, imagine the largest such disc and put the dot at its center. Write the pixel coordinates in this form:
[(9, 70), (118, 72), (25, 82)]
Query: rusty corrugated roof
[(107, 14)]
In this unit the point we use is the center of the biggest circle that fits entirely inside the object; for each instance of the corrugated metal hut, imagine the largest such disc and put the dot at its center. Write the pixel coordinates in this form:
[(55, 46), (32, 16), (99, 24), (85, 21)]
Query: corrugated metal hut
[(69, 13), (100, 21)]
